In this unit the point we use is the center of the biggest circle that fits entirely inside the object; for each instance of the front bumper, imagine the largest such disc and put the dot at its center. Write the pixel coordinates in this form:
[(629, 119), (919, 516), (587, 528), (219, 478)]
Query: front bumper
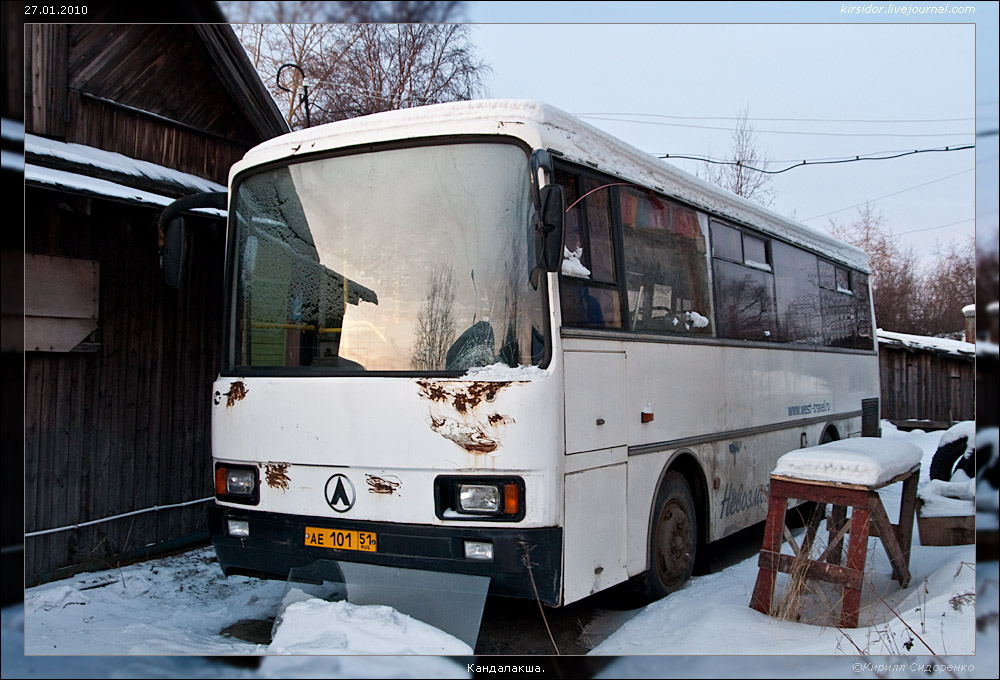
[(276, 545)]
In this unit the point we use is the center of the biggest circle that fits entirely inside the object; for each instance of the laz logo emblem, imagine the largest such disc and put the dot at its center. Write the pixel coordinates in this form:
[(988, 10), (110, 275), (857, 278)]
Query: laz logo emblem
[(340, 493)]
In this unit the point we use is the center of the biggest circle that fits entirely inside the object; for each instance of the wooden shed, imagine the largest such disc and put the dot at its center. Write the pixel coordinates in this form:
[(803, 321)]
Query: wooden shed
[(926, 382), (120, 119)]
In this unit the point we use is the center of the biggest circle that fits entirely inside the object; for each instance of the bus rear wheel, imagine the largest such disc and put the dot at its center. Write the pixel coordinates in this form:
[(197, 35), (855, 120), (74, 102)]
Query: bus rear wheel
[(673, 540)]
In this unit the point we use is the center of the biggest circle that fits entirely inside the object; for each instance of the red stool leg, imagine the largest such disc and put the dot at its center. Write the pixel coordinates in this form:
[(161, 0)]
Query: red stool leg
[(857, 551), (763, 590)]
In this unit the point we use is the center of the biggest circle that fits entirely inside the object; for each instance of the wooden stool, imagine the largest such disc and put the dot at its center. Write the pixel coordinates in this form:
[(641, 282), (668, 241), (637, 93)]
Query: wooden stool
[(867, 505)]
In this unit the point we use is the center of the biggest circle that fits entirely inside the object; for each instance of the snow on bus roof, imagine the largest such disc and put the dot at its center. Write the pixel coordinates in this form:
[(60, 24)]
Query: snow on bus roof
[(544, 126)]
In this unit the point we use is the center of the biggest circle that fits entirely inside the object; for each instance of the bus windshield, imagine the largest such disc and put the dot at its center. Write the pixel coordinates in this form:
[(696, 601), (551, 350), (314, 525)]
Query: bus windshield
[(407, 260)]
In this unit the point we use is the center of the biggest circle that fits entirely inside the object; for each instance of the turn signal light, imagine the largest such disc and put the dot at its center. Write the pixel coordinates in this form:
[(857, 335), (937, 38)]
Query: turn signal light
[(220, 481), (511, 499)]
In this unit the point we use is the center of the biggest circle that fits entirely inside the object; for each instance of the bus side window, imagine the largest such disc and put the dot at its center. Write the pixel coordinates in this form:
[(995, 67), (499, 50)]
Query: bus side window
[(666, 270), (589, 294), (744, 285)]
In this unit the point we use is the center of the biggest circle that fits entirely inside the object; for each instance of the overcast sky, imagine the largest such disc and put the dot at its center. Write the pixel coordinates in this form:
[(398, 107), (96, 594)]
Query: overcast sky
[(644, 61)]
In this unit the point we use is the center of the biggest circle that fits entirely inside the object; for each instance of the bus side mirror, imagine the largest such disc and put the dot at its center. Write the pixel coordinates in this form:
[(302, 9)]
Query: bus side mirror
[(173, 234), (549, 228), (174, 248)]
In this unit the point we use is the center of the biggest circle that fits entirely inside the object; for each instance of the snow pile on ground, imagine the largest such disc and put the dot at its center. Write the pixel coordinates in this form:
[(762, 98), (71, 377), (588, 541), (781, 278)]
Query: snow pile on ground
[(173, 605), (868, 460), (711, 615), (344, 628)]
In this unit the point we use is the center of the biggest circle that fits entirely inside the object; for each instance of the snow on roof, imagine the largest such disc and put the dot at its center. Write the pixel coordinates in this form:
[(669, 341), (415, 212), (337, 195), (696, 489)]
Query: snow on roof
[(34, 174), (863, 460), (919, 342), (546, 127), (81, 154)]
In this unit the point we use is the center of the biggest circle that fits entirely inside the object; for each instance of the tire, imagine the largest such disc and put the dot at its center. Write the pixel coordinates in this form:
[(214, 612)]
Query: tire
[(673, 540), (950, 458)]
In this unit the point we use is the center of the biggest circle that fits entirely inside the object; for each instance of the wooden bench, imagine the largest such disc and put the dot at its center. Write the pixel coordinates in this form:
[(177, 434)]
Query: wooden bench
[(868, 517)]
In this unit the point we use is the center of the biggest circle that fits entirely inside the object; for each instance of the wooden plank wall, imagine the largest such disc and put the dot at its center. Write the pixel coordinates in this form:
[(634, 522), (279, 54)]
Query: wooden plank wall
[(105, 126), (926, 386), (127, 427), (164, 69)]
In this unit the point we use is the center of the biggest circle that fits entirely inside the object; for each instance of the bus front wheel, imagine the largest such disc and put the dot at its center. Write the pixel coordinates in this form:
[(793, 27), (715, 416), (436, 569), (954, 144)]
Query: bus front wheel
[(673, 539)]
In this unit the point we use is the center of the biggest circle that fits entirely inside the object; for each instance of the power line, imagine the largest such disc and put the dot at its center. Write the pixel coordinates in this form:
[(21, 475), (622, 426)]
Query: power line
[(707, 159), (827, 162), (785, 132), (895, 193), (940, 226), (786, 120)]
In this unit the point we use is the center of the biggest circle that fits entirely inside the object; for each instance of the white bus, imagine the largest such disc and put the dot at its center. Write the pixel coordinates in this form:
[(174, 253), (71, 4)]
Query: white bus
[(487, 338)]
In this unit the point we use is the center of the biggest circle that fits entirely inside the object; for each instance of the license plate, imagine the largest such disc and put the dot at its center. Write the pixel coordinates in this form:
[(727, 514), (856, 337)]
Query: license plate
[(339, 539)]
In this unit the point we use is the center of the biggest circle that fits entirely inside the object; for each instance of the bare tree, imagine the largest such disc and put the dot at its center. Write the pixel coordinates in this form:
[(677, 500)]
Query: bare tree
[(896, 281), (435, 322), (399, 66), (270, 46), (399, 12), (949, 285), (353, 69), (741, 174)]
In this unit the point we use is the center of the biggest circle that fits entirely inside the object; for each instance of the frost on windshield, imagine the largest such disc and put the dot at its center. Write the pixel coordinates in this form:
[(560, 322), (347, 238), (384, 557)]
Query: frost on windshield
[(359, 263)]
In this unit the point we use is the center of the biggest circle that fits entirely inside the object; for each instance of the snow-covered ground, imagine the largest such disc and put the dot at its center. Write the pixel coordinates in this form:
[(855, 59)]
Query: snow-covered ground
[(177, 608)]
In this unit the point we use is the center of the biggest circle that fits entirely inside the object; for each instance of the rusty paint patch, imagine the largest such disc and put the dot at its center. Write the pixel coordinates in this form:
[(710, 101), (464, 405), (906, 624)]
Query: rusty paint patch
[(382, 485), (462, 396), (432, 390), (237, 391), (470, 437), (276, 475), (474, 433)]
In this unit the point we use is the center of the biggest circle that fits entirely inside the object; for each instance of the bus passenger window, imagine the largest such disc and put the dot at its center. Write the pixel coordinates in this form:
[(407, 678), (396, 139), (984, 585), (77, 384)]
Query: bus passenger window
[(744, 285), (589, 294), (666, 270)]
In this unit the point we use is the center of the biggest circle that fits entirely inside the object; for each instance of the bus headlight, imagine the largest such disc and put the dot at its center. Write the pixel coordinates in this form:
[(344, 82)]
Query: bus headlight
[(478, 498), (240, 482), (481, 498), (236, 484)]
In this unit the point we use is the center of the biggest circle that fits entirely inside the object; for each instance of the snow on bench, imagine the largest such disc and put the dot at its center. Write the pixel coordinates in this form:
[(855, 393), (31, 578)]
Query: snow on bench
[(867, 461)]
